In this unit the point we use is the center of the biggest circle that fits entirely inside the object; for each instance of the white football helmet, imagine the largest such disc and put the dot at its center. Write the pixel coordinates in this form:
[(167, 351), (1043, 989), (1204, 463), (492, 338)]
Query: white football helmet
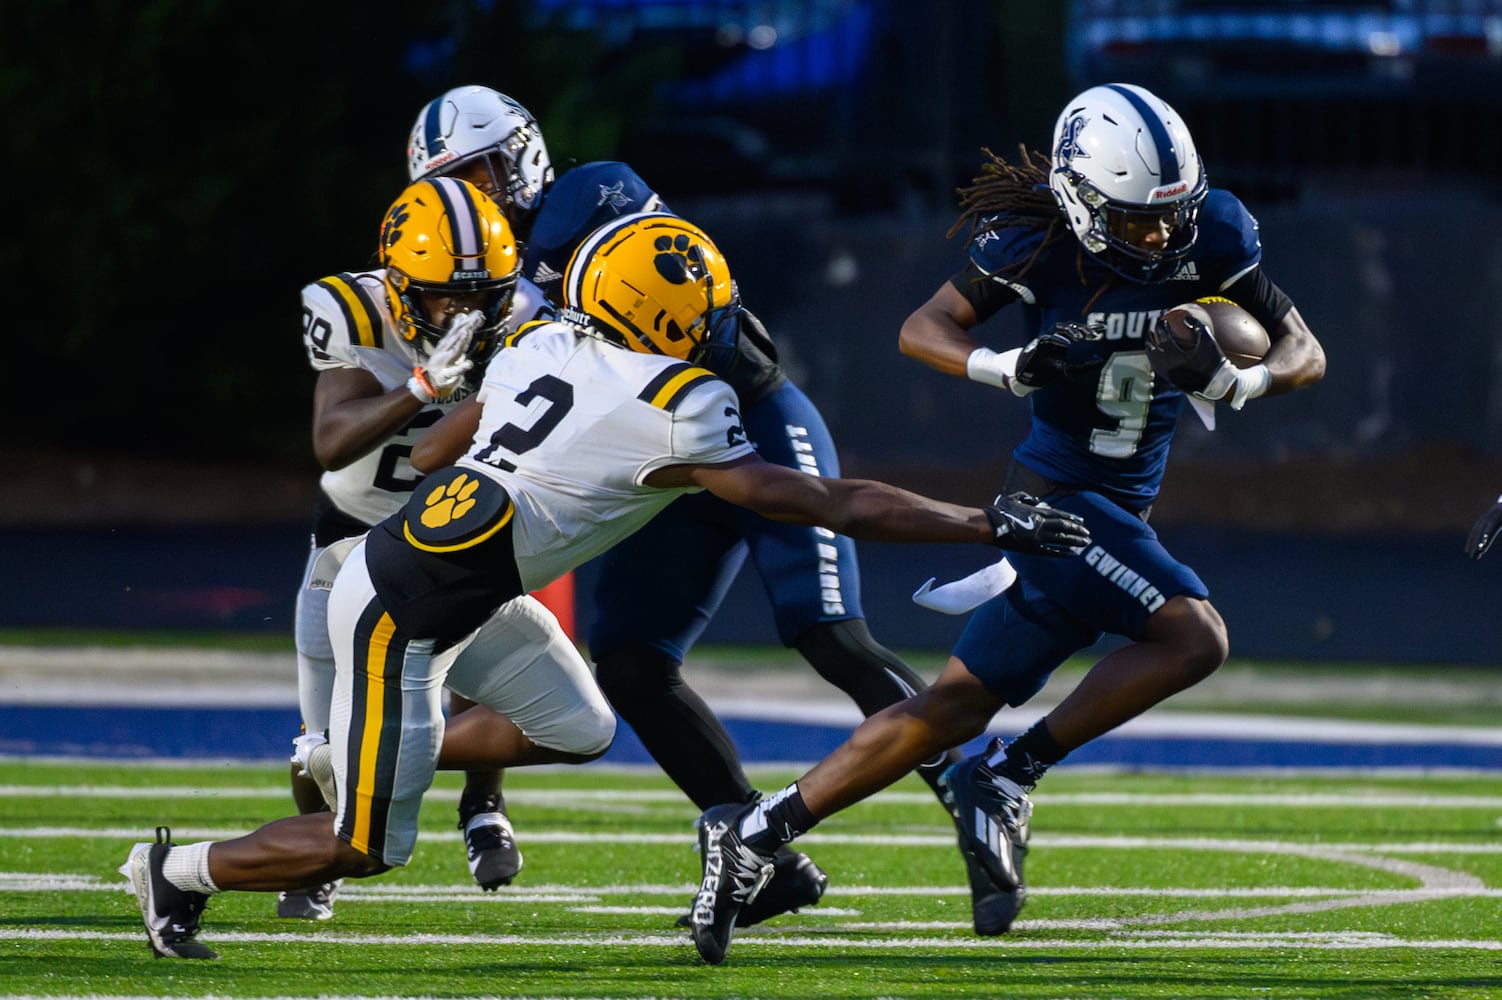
[(1123, 160), (472, 123)]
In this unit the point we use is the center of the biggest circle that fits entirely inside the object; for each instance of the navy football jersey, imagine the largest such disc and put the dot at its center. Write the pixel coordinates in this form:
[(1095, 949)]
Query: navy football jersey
[(1108, 426), (593, 194), (577, 204)]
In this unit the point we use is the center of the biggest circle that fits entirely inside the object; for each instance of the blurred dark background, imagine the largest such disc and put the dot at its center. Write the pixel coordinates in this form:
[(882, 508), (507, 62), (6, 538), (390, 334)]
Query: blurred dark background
[(184, 168)]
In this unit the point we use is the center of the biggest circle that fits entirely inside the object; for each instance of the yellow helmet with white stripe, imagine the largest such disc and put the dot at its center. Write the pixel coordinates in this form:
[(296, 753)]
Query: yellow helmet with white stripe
[(444, 241)]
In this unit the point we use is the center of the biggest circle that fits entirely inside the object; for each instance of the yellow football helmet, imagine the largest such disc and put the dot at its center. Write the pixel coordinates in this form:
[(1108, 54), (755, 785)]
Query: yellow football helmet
[(652, 281), (445, 237)]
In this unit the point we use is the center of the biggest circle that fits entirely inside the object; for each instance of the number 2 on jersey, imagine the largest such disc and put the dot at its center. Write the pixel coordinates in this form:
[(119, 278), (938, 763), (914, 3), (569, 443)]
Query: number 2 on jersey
[(516, 440)]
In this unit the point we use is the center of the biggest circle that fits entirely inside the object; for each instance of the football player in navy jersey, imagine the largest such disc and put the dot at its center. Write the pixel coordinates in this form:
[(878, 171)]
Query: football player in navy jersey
[(1094, 242), (658, 589)]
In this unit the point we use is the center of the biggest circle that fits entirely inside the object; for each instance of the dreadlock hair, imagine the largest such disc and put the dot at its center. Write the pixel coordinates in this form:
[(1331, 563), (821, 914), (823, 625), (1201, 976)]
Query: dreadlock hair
[(1021, 192), (1006, 196)]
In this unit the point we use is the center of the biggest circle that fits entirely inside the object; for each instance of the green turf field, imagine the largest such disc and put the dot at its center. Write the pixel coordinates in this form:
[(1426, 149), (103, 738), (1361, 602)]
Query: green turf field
[(1143, 885)]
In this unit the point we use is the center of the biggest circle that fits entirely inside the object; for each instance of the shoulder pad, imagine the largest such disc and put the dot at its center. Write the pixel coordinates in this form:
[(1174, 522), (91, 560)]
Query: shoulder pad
[(352, 296), (999, 248), (577, 204), (1228, 237), (522, 331)]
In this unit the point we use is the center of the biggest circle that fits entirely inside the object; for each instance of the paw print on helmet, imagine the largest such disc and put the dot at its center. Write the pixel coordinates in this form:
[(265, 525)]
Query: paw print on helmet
[(679, 259), (448, 502)]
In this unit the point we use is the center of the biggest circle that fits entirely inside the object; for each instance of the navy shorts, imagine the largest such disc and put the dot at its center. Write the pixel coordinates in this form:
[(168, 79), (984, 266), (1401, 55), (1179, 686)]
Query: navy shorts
[(1059, 606), (660, 586)]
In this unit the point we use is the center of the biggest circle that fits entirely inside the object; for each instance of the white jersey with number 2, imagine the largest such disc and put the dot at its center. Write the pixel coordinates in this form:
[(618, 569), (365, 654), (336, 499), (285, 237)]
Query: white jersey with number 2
[(572, 425)]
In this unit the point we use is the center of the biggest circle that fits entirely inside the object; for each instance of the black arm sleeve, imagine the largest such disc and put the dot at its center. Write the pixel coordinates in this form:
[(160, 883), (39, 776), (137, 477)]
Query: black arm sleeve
[(986, 295), (1256, 293)]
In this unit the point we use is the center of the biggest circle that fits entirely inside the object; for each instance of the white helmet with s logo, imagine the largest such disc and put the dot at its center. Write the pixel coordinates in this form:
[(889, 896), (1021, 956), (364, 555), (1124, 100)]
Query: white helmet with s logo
[(469, 124), (1123, 160)]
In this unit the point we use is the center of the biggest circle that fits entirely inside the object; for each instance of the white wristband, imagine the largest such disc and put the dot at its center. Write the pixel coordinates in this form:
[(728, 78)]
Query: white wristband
[(1000, 370), (418, 386), (1250, 383)]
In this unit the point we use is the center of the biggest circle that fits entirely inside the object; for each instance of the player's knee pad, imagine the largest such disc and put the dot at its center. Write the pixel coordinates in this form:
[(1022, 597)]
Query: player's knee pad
[(521, 663), (587, 731)]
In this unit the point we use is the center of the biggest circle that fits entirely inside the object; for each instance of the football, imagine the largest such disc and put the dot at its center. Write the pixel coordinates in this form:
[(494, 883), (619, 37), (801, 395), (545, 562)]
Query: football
[(1240, 336)]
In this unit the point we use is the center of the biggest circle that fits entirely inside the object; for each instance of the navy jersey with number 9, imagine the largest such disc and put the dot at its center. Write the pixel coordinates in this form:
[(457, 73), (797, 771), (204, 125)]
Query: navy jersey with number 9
[(1109, 425)]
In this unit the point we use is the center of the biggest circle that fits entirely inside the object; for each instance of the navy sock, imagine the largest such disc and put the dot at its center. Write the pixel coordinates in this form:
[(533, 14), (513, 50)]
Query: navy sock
[(1029, 756)]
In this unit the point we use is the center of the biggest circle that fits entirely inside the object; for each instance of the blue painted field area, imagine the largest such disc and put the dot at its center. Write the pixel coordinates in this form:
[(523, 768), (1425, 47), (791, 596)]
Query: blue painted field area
[(1328, 600), (212, 732)]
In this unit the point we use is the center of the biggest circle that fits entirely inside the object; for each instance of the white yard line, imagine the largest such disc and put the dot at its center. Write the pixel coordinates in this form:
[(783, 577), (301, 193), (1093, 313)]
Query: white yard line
[(573, 797), (593, 897), (1315, 941), (183, 833), (1133, 932), (1155, 724)]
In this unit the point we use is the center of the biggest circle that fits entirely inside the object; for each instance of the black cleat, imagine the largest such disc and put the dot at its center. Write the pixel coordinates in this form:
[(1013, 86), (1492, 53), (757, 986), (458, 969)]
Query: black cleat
[(170, 913), (992, 814), (992, 909), (489, 841), (796, 882), (734, 874)]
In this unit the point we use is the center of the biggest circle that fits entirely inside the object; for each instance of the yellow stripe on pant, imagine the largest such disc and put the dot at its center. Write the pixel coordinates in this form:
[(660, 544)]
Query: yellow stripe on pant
[(375, 699)]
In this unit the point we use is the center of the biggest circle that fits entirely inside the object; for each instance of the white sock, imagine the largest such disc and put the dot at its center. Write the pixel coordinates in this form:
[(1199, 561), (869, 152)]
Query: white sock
[(187, 867)]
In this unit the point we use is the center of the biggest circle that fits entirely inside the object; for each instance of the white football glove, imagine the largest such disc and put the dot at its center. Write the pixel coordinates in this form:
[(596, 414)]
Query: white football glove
[(447, 364)]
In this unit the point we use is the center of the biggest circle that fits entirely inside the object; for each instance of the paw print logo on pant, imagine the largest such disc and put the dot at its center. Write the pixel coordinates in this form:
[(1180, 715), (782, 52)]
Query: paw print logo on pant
[(448, 503), (679, 259)]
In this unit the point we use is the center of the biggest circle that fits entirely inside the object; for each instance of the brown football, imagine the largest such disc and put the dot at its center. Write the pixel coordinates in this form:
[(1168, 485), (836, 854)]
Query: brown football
[(1239, 335)]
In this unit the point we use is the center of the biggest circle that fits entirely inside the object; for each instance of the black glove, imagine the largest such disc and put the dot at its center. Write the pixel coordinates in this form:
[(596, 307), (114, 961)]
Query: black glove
[(1190, 369), (1044, 360), (1022, 524), (1484, 531)]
